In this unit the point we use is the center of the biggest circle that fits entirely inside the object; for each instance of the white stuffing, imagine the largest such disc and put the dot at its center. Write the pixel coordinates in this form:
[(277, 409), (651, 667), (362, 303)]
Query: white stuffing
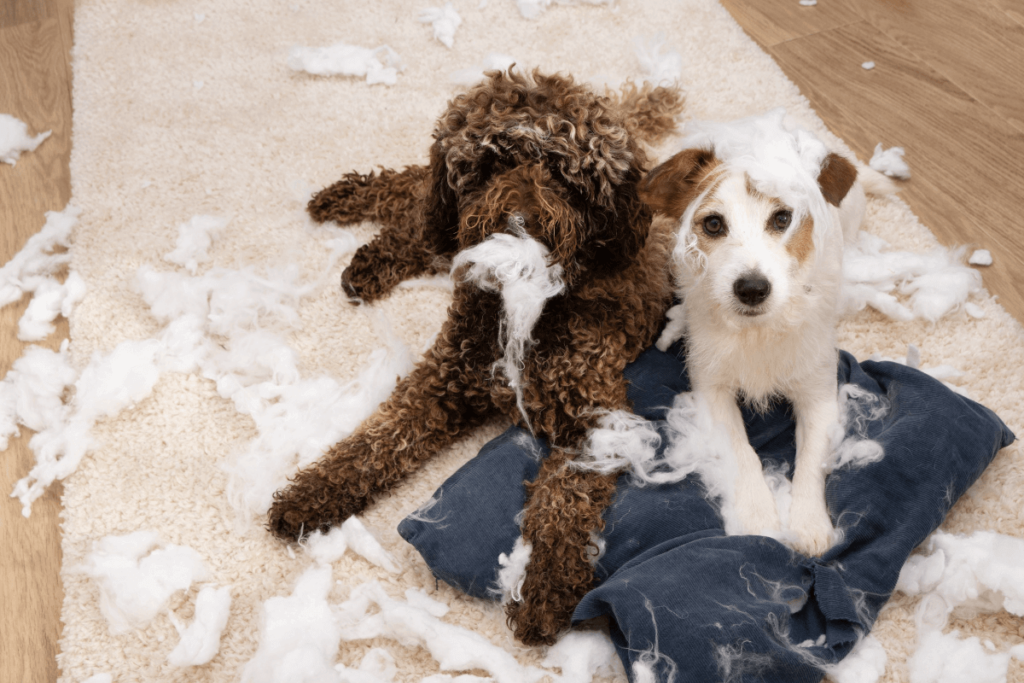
[(517, 266), (619, 441), (109, 384), (14, 139), (939, 372), (513, 571), (581, 655), (463, 678), (352, 533), (492, 61), (864, 664), (980, 257), (890, 162), (377, 65), (135, 584), (808, 3), (974, 310), (376, 666), (299, 635), (453, 647), (947, 658), (979, 573), (444, 20), (848, 440), (661, 65), (937, 280), (51, 299), (194, 240), (200, 641), (26, 271), (868, 65), (31, 394)]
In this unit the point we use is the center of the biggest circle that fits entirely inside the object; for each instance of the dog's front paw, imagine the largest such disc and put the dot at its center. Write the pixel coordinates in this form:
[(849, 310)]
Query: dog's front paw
[(811, 527), (541, 613), (310, 503)]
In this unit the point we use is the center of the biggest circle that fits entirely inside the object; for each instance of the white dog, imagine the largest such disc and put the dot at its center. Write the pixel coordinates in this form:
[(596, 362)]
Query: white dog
[(763, 208)]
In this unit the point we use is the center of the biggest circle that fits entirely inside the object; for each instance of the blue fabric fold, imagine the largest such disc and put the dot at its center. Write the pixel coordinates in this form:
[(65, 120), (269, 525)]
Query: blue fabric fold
[(684, 597)]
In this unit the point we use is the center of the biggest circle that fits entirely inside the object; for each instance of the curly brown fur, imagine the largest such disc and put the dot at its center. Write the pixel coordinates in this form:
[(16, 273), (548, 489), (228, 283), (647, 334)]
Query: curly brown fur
[(569, 163)]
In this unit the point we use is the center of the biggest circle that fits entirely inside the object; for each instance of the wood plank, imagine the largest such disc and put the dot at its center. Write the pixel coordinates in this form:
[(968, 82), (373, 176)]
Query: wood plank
[(976, 45), (1013, 8), (16, 12), (772, 23), (34, 86), (966, 160)]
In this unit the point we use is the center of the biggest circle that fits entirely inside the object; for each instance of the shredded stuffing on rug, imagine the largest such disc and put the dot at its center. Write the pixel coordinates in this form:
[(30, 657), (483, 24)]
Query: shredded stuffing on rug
[(200, 640), (15, 140), (377, 65), (444, 20), (890, 162)]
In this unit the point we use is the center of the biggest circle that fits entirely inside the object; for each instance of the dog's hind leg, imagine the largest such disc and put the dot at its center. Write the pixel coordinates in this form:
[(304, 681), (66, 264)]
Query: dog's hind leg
[(562, 515)]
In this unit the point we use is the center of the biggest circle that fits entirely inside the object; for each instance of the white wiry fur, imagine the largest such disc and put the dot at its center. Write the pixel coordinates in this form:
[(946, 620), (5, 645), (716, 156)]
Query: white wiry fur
[(517, 266), (784, 345), (513, 571)]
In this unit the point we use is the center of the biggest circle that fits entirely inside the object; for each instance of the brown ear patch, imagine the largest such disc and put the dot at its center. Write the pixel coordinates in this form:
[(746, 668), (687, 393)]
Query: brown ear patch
[(836, 178), (670, 187), (801, 242)]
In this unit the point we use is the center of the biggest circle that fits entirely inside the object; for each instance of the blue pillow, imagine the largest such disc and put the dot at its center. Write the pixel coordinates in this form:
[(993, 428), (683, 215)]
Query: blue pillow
[(683, 595)]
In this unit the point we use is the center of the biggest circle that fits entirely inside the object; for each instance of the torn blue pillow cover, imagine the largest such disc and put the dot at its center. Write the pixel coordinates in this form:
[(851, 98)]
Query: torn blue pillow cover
[(697, 605)]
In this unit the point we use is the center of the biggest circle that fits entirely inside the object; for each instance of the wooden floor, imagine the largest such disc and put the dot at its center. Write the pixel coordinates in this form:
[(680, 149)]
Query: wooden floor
[(948, 86)]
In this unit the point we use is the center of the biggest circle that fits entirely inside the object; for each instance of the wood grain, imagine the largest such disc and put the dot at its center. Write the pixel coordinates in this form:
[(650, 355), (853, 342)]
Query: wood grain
[(774, 22), (976, 45), (966, 159), (35, 87)]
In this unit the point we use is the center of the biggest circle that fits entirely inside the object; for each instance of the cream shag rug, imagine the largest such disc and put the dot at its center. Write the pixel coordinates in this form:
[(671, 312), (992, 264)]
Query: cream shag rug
[(189, 107)]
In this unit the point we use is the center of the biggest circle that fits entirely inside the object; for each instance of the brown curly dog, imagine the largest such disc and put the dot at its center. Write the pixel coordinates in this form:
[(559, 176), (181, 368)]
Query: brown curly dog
[(552, 161)]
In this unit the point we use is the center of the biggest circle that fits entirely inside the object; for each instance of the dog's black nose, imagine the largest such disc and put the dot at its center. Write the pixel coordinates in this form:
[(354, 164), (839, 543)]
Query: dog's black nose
[(752, 288)]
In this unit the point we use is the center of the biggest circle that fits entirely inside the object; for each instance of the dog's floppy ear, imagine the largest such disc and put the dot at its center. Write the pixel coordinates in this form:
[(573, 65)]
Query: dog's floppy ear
[(671, 187), (836, 178)]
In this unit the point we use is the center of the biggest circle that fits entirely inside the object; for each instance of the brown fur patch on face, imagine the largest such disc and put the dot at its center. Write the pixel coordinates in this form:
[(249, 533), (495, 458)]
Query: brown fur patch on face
[(836, 178), (801, 240), (671, 187)]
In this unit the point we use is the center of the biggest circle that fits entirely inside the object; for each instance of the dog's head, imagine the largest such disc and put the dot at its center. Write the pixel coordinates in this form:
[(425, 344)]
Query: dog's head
[(756, 201), (543, 155)]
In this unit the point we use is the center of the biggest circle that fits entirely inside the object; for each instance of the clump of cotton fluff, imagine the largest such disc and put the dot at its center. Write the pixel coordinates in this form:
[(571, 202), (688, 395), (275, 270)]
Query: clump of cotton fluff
[(39, 259), (979, 573), (416, 622), (444, 20), (200, 641), (492, 61), (937, 281), (14, 139), (890, 162), (51, 299), (299, 634), (136, 581), (780, 158), (32, 393), (194, 240), (697, 445), (352, 533), (848, 437), (377, 65), (108, 384), (947, 658), (512, 573), (944, 372), (865, 664), (621, 440), (376, 666), (661, 65), (517, 266), (581, 655)]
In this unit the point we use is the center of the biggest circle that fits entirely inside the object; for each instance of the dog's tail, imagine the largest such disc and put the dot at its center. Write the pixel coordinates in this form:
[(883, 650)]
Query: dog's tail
[(650, 112), (874, 183)]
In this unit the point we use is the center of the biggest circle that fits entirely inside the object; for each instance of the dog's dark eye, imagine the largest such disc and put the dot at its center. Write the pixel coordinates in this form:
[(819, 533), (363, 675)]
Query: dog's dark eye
[(714, 225), (781, 220)]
